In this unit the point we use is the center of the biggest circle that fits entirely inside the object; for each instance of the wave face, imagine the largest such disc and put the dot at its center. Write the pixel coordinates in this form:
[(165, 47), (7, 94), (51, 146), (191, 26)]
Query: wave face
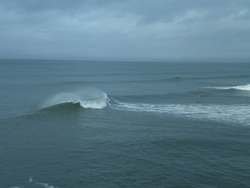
[(88, 98)]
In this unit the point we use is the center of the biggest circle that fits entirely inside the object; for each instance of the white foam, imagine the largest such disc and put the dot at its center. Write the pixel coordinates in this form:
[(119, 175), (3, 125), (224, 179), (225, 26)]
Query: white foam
[(46, 185), (89, 98), (241, 87), (244, 87), (95, 103), (238, 114)]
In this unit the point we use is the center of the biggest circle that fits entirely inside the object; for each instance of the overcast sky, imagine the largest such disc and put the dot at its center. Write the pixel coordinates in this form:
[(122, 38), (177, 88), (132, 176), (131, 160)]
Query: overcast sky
[(124, 29)]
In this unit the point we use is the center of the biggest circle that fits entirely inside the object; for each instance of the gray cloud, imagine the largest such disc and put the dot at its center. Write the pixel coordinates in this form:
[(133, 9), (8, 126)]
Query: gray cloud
[(129, 29)]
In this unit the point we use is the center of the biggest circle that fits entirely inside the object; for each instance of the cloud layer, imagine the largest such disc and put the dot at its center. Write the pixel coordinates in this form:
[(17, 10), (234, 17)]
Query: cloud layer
[(132, 29)]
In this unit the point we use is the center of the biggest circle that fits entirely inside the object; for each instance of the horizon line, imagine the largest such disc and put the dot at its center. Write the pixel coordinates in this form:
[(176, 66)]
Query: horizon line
[(137, 59)]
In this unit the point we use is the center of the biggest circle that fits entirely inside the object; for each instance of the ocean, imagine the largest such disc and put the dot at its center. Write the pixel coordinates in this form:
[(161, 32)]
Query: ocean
[(78, 124)]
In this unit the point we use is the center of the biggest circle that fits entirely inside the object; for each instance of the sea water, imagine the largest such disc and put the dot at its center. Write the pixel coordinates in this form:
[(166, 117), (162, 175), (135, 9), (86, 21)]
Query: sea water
[(124, 124)]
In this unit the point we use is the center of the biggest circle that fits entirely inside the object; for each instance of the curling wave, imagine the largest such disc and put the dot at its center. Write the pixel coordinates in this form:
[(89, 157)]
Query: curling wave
[(94, 99)]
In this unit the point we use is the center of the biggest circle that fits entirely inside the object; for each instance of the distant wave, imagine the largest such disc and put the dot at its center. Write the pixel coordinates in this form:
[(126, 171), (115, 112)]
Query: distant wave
[(173, 79), (241, 87), (237, 114), (178, 79), (87, 98), (216, 77), (231, 77)]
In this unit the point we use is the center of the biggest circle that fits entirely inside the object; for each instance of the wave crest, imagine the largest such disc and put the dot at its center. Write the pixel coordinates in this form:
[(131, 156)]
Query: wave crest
[(90, 98), (241, 87)]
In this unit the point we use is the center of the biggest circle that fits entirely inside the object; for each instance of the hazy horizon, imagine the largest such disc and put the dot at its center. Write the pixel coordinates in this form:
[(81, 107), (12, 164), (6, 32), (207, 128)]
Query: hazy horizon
[(200, 60)]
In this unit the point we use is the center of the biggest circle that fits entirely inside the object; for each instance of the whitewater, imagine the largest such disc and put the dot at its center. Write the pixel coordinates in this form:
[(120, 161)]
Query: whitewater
[(87, 98), (241, 87)]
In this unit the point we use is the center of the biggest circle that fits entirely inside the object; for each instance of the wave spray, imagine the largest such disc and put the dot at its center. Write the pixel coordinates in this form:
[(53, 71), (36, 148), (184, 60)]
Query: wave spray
[(87, 98)]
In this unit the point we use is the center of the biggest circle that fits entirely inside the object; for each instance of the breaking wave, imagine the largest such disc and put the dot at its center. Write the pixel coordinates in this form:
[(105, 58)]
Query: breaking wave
[(36, 184), (241, 87), (90, 98), (46, 185)]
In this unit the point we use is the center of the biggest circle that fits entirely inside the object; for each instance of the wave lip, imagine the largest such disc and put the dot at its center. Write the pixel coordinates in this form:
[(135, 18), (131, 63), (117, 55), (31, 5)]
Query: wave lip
[(93, 99), (95, 103)]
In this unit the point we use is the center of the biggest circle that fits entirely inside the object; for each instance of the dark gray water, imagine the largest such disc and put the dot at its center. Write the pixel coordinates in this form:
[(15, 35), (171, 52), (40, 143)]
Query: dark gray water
[(124, 124)]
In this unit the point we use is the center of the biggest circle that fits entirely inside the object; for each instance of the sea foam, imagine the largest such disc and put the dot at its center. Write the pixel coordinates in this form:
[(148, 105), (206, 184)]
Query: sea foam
[(237, 114), (241, 87), (46, 185)]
